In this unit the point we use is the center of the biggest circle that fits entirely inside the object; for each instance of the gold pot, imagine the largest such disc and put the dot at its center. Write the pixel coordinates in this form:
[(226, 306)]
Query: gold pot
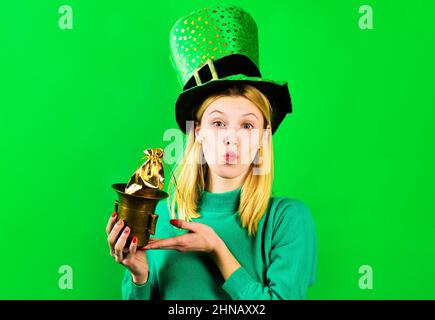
[(137, 211)]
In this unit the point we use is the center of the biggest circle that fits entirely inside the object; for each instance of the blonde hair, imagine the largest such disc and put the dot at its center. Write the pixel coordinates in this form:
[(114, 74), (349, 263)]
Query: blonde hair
[(191, 173)]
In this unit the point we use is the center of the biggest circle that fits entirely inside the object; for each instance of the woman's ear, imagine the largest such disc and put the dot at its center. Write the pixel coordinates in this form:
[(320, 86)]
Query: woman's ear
[(266, 136), (198, 132)]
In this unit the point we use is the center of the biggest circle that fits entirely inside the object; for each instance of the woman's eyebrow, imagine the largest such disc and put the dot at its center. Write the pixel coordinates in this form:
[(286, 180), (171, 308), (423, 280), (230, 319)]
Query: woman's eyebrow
[(216, 111), (245, 114)]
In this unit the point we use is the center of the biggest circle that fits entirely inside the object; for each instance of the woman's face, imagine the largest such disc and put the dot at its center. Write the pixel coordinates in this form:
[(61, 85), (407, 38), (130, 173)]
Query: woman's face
[(230, 133)]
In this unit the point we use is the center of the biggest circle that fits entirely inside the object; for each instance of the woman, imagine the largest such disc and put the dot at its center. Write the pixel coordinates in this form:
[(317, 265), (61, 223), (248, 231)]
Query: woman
[(230, 239)]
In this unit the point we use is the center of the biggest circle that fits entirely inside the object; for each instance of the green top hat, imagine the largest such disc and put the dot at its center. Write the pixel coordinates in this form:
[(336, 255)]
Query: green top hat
[(214, 47)]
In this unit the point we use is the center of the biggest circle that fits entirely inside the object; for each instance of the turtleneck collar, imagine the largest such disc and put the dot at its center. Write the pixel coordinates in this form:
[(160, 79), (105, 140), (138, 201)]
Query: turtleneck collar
[(221, 201)]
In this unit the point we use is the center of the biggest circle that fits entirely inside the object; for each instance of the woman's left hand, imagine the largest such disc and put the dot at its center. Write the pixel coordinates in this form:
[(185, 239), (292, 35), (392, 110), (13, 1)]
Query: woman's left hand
[(200, 237)]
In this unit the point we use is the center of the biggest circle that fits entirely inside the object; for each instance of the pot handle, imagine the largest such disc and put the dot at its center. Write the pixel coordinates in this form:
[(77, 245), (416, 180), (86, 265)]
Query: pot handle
[(152, 221)]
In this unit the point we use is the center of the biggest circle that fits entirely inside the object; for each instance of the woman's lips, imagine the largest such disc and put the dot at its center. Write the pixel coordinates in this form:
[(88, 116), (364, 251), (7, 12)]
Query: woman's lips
[(230, 156)]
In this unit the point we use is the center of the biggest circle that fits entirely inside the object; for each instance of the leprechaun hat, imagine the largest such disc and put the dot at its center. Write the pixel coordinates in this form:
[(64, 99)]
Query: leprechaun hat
[(216, 46)]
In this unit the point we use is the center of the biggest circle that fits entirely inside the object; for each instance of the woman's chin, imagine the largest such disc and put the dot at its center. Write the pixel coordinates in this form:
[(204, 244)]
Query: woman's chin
[(229, 170)]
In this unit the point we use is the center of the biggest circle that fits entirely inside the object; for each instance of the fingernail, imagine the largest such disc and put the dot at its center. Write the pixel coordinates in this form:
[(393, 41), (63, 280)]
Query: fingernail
[(126, 230), (119, 222), (114, 214), (134, 239), (174, 222)]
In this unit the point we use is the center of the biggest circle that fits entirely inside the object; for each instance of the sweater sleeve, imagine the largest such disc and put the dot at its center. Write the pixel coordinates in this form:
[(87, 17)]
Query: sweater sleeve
[(146, 291), (132, 291), (293, 259)]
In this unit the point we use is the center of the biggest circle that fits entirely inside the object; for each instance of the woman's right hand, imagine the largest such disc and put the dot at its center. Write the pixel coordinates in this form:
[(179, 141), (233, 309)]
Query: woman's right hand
[(132, 258)]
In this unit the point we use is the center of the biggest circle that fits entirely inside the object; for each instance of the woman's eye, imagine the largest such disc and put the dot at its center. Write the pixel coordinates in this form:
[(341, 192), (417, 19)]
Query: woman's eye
[(220, 124), (217, 124)]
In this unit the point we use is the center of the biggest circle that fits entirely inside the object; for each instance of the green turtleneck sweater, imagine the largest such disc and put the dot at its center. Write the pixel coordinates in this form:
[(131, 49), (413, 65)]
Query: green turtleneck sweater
[(280, 262)]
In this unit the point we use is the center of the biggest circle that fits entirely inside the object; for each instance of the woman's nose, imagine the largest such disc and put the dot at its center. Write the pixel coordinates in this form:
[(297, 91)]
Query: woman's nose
[(230, 139)]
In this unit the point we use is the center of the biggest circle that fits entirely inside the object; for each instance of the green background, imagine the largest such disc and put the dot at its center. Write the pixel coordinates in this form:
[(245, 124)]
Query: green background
[(78, 107)]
